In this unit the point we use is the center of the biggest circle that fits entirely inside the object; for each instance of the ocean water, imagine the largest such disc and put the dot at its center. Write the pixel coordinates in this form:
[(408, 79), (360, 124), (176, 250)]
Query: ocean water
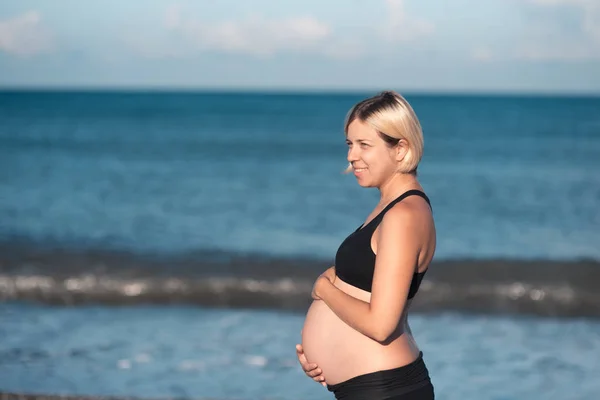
[(183, 352), (508, 177), (205, 218)]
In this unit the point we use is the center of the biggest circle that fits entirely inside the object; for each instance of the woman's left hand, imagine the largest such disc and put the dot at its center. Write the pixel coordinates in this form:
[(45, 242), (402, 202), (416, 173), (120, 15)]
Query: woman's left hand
[(327, 277)]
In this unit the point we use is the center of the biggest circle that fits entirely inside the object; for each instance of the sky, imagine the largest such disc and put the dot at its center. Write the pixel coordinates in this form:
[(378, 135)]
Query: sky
[(548, 46)]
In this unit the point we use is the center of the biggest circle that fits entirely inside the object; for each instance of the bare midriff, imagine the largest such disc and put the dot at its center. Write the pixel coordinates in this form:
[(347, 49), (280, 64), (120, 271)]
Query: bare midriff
[(342, 352)]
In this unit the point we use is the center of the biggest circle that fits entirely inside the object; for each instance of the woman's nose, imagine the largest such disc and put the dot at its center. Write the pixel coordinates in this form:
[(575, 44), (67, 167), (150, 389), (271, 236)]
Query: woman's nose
[(352, 154)]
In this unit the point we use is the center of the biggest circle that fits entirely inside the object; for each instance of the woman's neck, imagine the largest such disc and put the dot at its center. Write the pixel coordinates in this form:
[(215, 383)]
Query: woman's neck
[(397, 185)]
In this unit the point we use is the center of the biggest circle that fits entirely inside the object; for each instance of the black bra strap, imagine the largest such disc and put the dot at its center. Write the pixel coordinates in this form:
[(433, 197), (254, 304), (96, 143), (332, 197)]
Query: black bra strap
[(404, 195), (413, 192)]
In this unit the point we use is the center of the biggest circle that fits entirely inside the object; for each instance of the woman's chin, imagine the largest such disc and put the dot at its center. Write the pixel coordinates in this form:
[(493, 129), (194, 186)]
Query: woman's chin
[(363, 183)]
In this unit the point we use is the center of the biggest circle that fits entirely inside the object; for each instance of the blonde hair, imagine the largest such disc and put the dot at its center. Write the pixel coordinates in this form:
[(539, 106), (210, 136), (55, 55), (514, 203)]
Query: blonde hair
[(394, 119)]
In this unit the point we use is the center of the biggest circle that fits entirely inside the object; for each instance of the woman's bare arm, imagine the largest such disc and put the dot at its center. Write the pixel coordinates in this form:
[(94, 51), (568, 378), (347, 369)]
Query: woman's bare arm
[(398, 247)]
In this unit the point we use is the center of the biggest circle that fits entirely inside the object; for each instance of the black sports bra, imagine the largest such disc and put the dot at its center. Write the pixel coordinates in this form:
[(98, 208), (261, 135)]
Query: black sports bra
[(355, 260)]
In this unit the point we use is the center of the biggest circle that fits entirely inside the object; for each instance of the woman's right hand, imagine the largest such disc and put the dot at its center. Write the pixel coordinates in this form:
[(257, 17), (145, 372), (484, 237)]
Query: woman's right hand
[(311, 370)]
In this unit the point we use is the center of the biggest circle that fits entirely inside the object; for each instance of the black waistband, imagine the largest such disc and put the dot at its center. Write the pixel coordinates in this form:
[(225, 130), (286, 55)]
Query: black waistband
[(384, 383)]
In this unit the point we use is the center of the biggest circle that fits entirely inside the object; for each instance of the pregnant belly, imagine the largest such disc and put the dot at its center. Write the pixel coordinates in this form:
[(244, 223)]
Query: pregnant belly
[(340, 351)]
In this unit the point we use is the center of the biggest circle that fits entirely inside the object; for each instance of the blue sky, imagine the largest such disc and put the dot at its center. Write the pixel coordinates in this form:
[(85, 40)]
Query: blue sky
[(410, 45)]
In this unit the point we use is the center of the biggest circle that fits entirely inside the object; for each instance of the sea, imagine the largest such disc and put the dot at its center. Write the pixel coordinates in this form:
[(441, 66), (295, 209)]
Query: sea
[(163, 244)]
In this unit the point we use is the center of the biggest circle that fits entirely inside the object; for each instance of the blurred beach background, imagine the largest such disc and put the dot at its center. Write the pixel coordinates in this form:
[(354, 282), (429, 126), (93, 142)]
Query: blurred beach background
[(171, 185)]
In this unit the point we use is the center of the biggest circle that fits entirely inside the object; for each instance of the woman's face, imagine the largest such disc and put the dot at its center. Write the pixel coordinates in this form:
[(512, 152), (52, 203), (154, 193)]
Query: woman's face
[(373, 160)]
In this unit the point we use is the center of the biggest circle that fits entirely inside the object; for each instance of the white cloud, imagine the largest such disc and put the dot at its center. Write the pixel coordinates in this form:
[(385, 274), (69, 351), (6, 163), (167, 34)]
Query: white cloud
[(554, 2), (173, 16), (183, 34), (254, 35), (482, 54), (24, 35), (591, 19), (545, 39), (590, 10), (561, 53), (402, 27)]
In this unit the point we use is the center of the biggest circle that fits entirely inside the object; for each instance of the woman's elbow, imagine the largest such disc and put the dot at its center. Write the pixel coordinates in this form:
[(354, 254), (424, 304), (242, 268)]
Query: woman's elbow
[(383, 333)]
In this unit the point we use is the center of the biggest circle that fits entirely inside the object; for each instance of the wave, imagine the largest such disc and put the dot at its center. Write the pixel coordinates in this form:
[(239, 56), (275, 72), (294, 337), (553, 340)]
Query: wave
[(39, 396), (72, 277)]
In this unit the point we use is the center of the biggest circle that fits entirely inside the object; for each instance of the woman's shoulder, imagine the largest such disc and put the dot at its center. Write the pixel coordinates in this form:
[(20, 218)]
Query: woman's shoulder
[(409, 207), (408, 214)]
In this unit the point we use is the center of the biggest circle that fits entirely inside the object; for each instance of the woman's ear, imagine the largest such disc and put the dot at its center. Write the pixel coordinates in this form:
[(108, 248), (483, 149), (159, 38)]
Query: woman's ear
[(401, 150)]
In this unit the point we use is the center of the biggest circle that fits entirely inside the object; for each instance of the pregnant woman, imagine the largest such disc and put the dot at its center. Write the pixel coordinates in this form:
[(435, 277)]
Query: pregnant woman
[(356, 339)]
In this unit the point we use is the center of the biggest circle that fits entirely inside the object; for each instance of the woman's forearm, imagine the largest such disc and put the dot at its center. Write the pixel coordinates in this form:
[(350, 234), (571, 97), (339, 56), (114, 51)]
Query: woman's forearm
[(354, 312)]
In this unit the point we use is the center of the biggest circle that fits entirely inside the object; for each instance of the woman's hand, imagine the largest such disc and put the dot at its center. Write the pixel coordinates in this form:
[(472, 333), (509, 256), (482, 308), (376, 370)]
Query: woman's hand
[(326, 278), (310, 369), (330, 274)]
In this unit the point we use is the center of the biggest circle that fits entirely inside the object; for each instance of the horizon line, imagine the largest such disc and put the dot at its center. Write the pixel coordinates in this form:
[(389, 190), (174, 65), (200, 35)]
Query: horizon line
[(293, 90)]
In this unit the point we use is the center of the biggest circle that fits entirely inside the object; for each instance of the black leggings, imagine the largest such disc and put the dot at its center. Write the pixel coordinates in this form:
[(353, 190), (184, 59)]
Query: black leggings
[(409, 382)]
